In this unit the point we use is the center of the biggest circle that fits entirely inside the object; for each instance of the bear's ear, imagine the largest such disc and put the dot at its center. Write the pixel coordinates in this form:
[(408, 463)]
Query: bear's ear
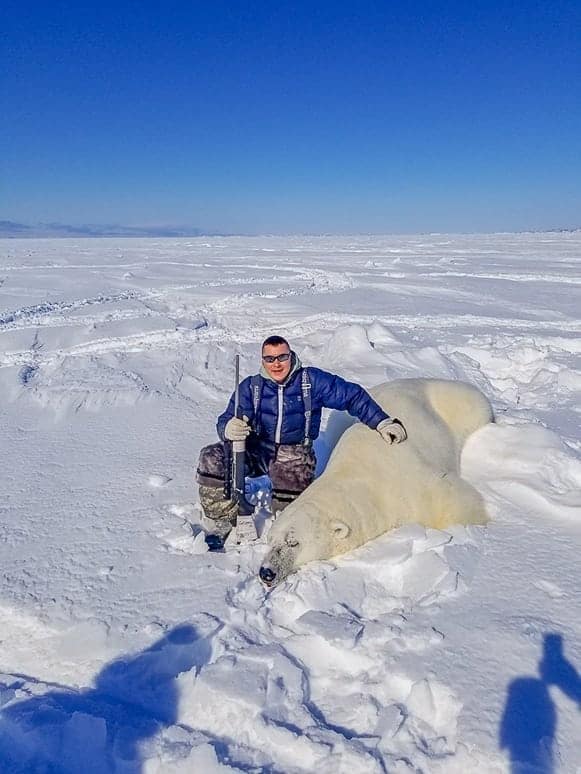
[(341, 530)]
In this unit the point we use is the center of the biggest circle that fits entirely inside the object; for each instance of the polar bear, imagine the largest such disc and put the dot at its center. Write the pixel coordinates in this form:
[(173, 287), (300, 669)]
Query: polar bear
[(369, 488)]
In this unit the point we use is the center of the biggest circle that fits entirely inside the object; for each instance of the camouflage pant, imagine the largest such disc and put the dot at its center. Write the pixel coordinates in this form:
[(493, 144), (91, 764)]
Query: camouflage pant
[(291, 469)]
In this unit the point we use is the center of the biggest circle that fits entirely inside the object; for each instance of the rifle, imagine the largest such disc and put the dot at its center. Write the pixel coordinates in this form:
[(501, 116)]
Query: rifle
[(235, 474)]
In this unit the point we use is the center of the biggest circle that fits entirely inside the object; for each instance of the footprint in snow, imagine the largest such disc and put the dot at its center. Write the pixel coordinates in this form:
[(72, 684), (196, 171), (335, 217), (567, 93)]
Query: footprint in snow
[(27, 374)]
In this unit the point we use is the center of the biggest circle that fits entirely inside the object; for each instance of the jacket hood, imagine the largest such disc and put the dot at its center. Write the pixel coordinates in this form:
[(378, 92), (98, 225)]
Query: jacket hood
[(296, 365)]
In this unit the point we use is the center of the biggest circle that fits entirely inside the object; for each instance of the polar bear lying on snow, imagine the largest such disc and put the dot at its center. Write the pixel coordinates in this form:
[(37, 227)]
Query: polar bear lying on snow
[(368, 488)]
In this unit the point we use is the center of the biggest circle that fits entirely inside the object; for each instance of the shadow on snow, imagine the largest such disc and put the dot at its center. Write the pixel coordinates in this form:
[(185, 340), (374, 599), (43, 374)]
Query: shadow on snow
[(101, 729), (529, 720)]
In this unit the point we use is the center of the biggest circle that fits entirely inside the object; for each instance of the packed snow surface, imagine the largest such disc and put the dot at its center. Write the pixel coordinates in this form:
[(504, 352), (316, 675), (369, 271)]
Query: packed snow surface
[(127, 647)]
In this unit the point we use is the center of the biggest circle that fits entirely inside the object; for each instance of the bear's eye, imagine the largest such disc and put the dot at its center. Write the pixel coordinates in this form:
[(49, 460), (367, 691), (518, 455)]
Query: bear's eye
[(291, 541)]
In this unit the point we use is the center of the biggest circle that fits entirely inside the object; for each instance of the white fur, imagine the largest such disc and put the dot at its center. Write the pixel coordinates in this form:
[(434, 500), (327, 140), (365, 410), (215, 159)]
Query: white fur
[(370, 487)]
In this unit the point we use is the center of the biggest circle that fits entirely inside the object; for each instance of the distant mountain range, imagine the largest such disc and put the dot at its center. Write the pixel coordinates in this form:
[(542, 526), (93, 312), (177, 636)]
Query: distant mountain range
[(9, 228)]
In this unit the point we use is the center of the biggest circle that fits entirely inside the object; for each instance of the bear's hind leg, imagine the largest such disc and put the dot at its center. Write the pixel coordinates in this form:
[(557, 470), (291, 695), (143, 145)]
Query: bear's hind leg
[(457, 502)]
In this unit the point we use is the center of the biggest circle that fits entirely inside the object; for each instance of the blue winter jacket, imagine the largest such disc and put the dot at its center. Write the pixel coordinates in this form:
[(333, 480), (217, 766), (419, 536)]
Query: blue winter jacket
[(327, 391)]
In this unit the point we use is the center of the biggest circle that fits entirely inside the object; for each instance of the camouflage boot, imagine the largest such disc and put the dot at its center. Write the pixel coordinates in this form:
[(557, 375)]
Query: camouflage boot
[(220, 513)]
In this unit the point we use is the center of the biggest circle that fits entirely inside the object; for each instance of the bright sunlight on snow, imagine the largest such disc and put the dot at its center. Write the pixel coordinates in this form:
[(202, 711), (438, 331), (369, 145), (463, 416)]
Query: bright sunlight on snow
[(127, 647)]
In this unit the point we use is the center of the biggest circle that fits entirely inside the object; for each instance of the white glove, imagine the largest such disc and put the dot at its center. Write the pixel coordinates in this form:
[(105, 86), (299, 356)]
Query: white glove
[(392, 431), (237, 429)]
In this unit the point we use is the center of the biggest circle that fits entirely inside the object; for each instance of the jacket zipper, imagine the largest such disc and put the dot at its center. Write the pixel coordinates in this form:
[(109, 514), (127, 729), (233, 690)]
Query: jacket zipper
[(279, 418)]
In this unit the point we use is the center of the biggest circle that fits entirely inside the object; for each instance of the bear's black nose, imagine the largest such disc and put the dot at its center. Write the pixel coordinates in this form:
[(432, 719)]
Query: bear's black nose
[(267, 575)]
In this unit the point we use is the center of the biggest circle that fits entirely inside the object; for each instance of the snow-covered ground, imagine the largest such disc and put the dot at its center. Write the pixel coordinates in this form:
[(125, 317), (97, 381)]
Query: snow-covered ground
[(124, 647)]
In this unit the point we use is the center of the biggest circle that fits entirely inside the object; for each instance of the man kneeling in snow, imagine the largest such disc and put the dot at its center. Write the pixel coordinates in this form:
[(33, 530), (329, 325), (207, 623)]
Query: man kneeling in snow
[(281, 409)]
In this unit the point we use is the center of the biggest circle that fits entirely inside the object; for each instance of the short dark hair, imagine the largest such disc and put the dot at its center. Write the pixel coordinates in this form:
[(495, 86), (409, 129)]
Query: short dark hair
[(274, 341)]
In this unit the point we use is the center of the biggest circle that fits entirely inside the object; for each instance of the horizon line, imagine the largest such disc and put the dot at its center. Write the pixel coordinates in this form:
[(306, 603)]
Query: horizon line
[(10, 229)]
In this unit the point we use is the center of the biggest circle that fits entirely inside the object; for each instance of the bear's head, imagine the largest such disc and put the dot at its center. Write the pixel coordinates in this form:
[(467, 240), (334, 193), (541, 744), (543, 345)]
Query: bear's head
[(300, 535)]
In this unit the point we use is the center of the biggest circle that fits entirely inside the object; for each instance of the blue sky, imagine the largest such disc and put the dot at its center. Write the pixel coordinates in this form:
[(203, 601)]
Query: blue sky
[(279, 117)]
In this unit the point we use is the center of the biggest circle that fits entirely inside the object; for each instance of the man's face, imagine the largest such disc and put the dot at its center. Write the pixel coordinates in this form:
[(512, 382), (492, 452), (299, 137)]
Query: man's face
[(277, 370)]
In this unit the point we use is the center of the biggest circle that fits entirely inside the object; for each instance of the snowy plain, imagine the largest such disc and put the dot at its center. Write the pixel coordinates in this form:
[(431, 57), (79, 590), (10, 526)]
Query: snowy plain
[(125, 647)]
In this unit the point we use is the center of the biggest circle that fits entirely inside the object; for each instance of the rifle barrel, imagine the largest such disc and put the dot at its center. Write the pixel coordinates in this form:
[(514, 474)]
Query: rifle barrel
[(237, 385)]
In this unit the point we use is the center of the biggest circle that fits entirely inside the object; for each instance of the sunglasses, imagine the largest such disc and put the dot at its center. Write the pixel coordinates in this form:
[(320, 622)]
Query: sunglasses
[(281, 358)]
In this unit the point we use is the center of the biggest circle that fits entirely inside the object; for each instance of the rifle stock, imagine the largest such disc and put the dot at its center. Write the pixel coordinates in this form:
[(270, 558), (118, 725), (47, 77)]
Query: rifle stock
[(237, 465), (228, 470)]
